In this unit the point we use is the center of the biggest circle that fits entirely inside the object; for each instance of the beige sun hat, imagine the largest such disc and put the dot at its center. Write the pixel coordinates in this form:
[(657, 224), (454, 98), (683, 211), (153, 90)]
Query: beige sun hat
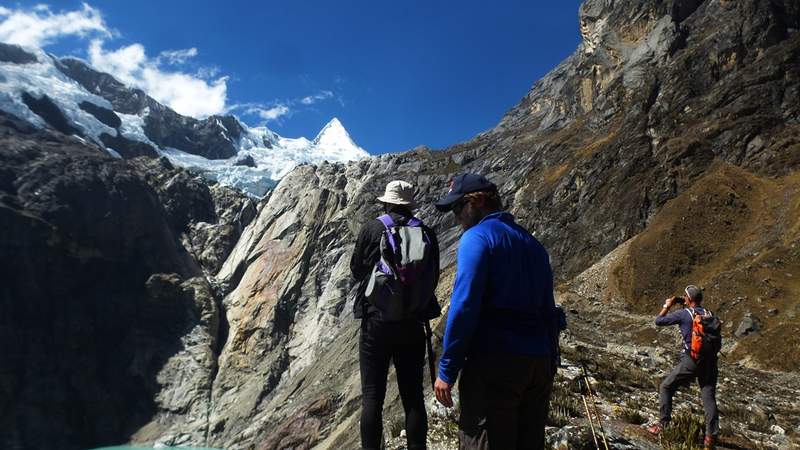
[(399, 192)]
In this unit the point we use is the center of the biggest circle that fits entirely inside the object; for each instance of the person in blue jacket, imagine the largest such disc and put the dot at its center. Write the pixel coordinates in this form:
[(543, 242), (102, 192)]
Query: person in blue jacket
[(500, 333)]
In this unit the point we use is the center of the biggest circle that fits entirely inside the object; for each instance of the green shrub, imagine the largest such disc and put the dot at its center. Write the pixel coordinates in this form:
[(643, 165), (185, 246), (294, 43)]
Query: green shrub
[(632, 415), (685, 432), (564, 405)]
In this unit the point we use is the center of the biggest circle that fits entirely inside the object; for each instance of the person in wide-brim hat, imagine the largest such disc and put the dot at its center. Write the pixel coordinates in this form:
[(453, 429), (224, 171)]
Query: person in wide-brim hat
[(383, 340), (399, 192)]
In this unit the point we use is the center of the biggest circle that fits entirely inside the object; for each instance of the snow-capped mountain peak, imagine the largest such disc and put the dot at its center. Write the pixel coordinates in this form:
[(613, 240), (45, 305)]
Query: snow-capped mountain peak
[(335, 142), (333, 132), (69, 95)]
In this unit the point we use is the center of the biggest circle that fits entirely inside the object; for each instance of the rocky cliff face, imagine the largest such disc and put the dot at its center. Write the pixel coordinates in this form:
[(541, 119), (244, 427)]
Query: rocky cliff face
[(109, 322), (664, 151)]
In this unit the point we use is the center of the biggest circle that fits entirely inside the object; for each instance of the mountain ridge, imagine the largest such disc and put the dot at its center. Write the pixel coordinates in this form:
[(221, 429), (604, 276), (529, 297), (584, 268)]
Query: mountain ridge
[(130, 123)]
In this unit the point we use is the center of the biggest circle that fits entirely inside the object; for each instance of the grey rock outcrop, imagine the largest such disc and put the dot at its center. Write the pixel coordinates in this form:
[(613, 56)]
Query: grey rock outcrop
[(246, 161), (50, 113), (749, 324), (211, 242), (211, 138), (290, 309), (127, 148), (14, 54), (214, 137), (209, 219), (106, 116), (124, 99)]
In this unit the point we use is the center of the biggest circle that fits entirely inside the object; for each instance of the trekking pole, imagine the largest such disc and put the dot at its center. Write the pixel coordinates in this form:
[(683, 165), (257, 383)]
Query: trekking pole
[(594, 404), (599, 420), (431, 357), (591, 422)]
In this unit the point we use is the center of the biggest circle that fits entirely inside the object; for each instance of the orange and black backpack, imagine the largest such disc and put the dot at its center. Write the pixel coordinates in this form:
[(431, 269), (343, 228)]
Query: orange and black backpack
[(706, 335)]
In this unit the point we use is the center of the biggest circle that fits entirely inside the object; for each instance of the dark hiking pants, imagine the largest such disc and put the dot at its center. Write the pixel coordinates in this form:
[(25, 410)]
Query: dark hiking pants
[(404, 344), (504, 402), (683, 374)]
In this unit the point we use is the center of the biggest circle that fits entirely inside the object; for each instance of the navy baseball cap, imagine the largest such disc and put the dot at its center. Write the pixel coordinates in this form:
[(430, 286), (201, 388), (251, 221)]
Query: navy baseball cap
[(462, 185)]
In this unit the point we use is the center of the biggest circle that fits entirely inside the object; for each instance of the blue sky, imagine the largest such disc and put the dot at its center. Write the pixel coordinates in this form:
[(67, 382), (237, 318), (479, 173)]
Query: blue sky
[(397, 74)]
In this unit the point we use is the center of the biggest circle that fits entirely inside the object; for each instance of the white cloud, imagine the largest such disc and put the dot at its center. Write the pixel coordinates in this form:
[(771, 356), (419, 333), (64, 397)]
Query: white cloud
[(274, 113), (278, 109), (311, 99), (198, 94), (39, 26), (124, 63), (207, 72), (186, 94), (269, 114), (176, 57)]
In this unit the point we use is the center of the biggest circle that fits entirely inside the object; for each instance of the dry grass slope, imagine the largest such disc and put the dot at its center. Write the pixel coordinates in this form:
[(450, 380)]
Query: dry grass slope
[(737, 235)]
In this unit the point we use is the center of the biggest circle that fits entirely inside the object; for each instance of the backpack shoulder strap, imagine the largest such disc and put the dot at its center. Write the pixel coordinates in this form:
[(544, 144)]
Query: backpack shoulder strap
[(388, 223), (691, 312), (414, 222)]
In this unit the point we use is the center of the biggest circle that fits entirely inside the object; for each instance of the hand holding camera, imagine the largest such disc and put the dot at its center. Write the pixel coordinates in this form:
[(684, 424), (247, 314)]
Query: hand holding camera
[(674, 300)]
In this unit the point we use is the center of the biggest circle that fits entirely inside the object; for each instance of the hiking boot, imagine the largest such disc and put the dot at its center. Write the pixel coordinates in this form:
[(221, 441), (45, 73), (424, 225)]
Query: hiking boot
[(655, 429), (709, 443)]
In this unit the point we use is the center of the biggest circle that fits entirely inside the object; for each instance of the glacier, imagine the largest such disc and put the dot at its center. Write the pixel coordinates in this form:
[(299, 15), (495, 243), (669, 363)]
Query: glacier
[(274, 156), (263, 156)]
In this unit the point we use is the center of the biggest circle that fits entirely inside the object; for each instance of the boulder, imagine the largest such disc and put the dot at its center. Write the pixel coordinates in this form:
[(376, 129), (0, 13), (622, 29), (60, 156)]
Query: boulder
[(749, 324)]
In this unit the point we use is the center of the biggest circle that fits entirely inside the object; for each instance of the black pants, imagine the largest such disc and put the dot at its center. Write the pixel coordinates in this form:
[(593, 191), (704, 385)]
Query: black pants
[(504, 402), (404, 344), (684, 373)]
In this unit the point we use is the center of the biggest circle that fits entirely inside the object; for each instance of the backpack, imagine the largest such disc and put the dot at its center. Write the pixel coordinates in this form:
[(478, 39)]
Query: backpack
[(402, 283), (706, 335)]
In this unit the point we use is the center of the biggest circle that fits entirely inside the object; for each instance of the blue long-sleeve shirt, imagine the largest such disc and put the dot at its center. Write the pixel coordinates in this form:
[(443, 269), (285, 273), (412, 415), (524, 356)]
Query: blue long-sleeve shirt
[(502, 291), (684, 319)]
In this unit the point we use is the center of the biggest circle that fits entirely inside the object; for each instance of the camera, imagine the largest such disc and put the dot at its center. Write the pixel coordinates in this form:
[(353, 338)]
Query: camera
[(678, 300)]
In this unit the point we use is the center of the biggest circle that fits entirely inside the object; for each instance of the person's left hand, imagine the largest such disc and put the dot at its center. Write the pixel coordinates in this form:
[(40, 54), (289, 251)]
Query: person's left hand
[(442, 390)]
